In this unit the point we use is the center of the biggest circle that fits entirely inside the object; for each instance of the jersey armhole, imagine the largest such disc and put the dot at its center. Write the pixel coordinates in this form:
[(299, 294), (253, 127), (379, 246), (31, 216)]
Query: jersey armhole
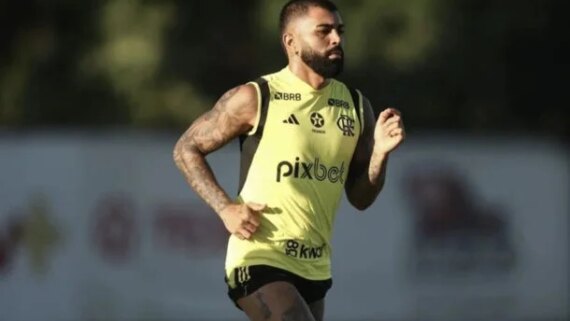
[(360, 110), (258, 114), (358, 105)]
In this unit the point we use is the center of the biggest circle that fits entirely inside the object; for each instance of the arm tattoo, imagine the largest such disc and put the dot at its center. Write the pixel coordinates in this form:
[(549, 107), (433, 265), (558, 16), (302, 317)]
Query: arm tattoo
[(264, 308), (202, 180), (216, 127), (208, 133)]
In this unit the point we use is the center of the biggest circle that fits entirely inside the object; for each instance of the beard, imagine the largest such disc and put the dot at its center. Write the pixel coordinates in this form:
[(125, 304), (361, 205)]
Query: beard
[(322, 64)]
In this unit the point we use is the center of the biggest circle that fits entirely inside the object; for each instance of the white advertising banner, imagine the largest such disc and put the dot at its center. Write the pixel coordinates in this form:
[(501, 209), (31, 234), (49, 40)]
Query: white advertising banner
[(102, 226)]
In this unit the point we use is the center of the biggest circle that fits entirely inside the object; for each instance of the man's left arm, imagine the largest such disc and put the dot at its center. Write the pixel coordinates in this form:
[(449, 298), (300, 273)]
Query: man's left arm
[(367, 171)]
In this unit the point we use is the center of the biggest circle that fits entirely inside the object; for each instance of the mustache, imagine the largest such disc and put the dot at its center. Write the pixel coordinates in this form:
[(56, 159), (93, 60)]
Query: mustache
[(335, 50)]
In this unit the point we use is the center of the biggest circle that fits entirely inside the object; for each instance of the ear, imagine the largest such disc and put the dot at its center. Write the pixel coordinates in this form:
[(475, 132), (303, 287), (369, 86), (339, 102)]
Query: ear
[(289, 43)]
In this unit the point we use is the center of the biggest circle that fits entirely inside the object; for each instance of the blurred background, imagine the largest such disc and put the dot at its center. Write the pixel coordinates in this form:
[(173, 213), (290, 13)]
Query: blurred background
[(97, 224)]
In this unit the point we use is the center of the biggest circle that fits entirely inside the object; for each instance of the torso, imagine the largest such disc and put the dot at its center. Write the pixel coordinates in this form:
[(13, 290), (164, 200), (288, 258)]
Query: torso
[(298, 168)]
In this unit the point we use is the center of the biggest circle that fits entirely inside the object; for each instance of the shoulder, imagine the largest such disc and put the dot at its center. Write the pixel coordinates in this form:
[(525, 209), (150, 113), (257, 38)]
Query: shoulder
[(257, 89), (356, 93), (238, 103), (359, 98), (269, 77), (247, 92), (240, 96), (364, 109)]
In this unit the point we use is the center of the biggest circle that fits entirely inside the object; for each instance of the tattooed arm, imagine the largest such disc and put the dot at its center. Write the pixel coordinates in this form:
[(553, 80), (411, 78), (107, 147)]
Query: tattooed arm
[(367, 172), (232, 115)]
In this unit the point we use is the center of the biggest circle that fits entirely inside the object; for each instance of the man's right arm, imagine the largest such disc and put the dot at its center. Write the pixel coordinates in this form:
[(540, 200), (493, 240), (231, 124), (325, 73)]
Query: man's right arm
[(232, 115)]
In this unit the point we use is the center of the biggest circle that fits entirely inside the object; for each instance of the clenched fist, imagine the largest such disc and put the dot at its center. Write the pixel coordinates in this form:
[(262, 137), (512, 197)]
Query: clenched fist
[(389, 131)]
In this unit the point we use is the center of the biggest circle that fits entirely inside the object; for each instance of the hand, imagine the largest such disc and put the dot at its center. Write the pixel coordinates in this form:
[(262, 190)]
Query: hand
[(242, 220), (389, 131)]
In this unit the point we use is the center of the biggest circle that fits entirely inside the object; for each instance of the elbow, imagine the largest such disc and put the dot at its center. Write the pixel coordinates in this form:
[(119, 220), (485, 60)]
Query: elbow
[(359, 204), (357, 200), (179, 155), (362, 202), (184, 153), (361, 207)]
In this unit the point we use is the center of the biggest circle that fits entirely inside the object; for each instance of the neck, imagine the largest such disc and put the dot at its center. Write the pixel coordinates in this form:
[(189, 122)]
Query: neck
[(308, 75)]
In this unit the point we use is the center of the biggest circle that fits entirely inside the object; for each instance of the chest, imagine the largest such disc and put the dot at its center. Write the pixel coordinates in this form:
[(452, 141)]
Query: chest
[(315, 125)]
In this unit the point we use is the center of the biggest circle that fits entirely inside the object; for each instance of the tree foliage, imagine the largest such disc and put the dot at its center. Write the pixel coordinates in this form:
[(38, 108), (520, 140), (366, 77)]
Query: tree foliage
[(470, 65)]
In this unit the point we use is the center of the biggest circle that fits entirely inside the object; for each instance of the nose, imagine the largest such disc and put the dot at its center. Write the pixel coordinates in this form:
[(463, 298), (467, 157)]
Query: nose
[(336, 38)]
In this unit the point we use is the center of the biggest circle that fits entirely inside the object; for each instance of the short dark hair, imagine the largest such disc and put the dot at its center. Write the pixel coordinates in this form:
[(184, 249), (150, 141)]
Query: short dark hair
[(295, 8)]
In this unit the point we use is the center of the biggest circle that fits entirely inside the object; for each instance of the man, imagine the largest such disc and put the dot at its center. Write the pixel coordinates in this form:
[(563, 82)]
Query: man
[(304, 137)]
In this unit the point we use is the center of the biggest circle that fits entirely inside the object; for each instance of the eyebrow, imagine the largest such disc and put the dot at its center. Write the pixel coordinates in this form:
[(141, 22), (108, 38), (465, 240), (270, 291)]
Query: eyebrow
[(328, 25)]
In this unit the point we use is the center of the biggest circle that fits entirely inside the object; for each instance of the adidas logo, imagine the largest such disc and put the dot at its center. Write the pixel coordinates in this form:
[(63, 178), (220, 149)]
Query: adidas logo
[(291, 120)]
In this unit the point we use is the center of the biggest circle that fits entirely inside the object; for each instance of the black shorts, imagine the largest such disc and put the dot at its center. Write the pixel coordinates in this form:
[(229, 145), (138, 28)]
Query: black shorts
[(248, 279)]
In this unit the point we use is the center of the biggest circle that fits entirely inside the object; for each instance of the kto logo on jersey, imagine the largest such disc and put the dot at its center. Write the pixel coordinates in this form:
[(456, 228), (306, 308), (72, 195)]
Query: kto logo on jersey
[(295, 249), (313, 170), (338, 103), (287, 96), (346, 125)]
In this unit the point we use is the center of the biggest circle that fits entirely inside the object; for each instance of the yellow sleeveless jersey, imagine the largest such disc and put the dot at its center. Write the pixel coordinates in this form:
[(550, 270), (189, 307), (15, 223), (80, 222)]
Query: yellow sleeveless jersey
[(296, 160)]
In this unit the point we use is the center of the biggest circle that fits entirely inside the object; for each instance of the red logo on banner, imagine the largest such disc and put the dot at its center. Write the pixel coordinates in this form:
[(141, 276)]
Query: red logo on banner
[(114, 231), (191, 227)]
